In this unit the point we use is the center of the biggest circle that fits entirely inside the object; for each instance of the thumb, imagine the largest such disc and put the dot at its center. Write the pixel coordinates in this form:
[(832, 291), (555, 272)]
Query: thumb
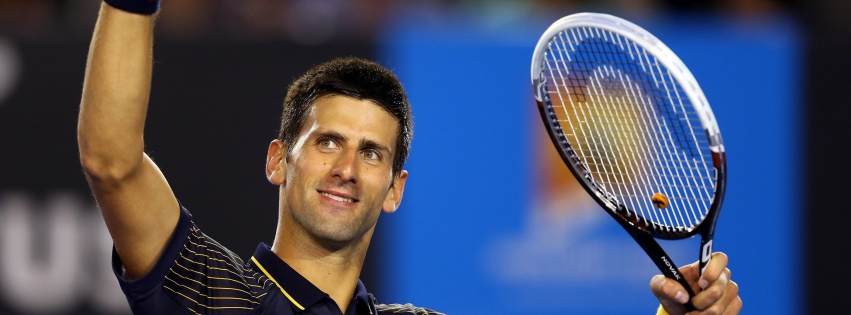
[(670, 294)]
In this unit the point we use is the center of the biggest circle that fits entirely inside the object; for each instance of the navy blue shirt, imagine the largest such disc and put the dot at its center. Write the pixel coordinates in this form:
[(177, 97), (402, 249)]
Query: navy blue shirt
[(197, 275)]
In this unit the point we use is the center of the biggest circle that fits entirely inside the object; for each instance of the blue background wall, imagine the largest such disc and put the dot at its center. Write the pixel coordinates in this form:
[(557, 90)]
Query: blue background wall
[(467, 239)]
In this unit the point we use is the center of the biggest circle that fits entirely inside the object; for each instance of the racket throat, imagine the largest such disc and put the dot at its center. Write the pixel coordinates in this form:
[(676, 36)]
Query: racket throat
[(668, 265), (661, 259)]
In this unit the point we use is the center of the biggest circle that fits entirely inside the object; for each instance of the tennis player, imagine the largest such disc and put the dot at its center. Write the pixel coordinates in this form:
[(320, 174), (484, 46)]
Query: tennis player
[(344, 138)]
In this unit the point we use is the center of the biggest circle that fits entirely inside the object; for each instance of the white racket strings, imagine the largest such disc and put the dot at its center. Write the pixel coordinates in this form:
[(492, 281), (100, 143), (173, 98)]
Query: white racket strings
[(631, 126)]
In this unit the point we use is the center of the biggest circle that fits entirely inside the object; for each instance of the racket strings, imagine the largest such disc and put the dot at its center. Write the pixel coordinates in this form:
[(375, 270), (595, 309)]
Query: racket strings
[(630, 126)]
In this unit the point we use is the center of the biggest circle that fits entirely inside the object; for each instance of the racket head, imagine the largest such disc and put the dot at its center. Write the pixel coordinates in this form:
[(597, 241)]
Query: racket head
[(631, 123)]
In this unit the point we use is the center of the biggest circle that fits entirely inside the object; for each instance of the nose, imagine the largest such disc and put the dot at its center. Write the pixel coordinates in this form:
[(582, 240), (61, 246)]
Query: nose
[(345, 167)]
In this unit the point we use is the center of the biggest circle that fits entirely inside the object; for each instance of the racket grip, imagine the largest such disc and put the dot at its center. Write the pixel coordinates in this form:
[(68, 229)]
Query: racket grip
[(705, 254), (668, 271), (665, 265)]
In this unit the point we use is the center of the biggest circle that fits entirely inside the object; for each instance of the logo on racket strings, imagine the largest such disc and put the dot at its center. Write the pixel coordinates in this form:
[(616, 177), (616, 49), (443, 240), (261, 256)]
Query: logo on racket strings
[(659, 200)]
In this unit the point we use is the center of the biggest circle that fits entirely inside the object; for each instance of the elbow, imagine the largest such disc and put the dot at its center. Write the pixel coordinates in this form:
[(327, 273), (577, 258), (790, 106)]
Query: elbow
[(108, 169), (107, 157)]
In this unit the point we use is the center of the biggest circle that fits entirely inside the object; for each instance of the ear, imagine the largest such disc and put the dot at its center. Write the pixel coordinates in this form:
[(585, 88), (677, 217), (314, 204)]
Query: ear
[(394, 196), (276, 163)]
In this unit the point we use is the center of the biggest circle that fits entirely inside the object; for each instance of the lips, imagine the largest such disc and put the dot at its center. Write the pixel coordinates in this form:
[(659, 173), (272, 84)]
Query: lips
[(338, 197)]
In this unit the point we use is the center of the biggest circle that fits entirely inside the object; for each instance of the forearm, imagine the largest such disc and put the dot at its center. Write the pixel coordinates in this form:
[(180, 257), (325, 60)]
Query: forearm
[(115, 96)]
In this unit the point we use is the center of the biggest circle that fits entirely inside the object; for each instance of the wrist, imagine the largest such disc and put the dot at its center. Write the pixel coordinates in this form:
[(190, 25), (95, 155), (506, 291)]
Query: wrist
[(145, 7)]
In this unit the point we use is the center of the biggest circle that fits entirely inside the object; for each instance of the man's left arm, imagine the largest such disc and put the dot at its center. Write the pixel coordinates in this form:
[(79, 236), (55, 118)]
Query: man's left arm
[(717, 293)]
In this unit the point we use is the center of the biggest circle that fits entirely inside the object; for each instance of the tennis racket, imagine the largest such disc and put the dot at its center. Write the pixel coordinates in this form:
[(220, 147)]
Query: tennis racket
[(631, 123)]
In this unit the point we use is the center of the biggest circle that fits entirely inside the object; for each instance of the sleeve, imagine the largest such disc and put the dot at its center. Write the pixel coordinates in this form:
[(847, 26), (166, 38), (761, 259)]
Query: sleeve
[(194, 275), (145, 294)]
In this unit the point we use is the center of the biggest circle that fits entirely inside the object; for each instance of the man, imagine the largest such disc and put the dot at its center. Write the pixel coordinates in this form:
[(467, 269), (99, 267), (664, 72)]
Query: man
[(344, 138)]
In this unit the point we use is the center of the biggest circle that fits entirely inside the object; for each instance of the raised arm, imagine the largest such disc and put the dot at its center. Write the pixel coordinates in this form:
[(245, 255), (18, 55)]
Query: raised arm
[(137, 203)]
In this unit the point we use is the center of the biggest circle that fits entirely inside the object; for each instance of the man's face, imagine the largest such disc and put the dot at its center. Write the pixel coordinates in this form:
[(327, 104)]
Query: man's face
[(339, 173)]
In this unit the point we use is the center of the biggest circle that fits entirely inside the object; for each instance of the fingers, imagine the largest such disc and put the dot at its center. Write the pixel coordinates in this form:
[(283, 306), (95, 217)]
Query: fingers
[(713, 283), (719, 294), (716, 267), (670, 294), (735, 304), (698, 281), (666, 288), (728, 302), (712, 294), (716, 293)]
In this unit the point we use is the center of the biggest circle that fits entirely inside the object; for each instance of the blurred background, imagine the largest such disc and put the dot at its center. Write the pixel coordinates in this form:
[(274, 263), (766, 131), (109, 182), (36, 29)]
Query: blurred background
[(492, 223)]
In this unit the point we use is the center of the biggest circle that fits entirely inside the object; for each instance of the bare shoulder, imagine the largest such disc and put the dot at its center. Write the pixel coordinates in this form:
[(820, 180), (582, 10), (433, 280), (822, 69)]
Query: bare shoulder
[(408, 309)]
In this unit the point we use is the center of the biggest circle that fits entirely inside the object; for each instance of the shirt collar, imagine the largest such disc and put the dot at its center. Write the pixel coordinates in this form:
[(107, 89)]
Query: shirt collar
[(365, 303), (298, 290)]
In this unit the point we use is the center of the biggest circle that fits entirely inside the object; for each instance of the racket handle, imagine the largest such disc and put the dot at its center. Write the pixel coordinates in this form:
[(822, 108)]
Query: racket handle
[(705, 254), (672, 272), (660, 258)]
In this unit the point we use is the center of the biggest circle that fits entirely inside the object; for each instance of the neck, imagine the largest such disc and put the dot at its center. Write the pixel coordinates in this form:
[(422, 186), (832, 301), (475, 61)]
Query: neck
[(333, 268)]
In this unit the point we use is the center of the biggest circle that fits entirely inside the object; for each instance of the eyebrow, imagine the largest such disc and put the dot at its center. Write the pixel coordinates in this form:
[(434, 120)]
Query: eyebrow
[(333, 135)]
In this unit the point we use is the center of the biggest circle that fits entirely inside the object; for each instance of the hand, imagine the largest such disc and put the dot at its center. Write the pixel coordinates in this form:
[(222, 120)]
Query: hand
[(716, 293)]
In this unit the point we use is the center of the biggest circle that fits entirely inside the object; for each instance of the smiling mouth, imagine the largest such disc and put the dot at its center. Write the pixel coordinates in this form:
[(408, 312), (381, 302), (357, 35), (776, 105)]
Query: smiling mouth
[(337, 198)]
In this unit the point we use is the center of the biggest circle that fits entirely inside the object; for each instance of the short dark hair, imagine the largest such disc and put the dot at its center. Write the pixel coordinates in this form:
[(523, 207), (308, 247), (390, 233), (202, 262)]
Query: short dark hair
[(353, 77)]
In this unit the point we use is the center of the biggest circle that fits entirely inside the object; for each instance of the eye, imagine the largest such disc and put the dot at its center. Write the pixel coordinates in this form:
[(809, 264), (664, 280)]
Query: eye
[(371, 155), (326, 144)]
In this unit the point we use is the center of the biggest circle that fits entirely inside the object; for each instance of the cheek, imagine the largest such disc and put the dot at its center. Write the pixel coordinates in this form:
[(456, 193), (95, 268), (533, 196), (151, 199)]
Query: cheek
[(381, 185), (295, 177), (308, 168)]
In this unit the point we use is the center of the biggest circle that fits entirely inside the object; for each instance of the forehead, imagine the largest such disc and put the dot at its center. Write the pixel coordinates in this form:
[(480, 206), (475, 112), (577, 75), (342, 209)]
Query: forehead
[(354, 118)]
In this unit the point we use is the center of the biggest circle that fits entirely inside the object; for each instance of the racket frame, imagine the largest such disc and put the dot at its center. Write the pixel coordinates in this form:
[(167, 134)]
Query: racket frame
[(642, 231)]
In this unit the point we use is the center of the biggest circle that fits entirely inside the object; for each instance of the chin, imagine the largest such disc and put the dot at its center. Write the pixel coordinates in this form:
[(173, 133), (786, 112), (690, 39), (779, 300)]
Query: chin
[(336, 235)]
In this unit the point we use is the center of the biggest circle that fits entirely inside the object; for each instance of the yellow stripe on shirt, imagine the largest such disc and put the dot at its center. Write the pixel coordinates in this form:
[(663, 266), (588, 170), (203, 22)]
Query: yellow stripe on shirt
[(276, 283)]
